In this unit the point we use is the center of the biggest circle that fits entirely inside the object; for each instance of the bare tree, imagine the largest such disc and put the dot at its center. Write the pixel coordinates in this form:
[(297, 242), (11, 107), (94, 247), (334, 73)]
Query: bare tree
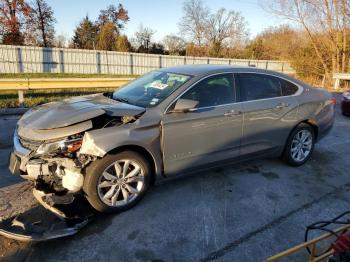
[(193, 21), (40, 27), (61, 41), (224, 27), (211, 31), (143, 38), (326, 23), (175, 45)]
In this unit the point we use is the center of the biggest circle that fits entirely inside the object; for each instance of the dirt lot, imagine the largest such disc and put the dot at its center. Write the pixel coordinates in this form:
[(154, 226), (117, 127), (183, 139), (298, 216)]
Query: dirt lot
[(244, 212)]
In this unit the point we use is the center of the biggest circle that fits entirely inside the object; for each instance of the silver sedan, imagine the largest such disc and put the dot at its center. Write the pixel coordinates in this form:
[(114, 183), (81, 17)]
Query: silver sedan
[(111, 147)]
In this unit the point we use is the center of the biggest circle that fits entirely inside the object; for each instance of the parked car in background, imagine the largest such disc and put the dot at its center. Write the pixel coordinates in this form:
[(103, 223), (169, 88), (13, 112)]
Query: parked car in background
[(345, 103), (112, 147)]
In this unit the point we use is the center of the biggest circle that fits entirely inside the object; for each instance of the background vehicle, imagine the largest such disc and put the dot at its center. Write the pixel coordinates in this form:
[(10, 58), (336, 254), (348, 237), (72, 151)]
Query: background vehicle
[(112, 147), (345, 104)]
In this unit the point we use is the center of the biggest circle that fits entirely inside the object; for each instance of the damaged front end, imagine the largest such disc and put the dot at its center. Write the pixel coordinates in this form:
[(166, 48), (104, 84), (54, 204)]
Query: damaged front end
[(48, 145)]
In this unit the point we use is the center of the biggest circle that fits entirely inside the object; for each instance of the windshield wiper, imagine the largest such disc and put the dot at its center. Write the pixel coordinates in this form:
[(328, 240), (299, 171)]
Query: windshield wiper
[(123, 100)]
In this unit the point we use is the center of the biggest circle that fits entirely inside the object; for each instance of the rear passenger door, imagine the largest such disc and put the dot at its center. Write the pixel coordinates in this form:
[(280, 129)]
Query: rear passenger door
[(269, 111)]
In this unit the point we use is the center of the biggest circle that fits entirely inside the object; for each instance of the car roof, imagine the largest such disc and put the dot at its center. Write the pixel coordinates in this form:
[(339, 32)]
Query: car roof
[(205, 69), (198, 69)]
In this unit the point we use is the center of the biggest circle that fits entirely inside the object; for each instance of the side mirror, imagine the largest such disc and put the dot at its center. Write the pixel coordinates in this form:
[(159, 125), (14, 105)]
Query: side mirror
[(184, 105)]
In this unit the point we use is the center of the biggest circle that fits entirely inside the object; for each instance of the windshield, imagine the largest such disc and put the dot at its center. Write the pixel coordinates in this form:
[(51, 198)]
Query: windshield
[(150, 89)]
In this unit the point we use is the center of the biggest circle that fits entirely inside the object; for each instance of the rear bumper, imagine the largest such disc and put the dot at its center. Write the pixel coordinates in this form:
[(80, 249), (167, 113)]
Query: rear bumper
[(325, 122), (325, 131)]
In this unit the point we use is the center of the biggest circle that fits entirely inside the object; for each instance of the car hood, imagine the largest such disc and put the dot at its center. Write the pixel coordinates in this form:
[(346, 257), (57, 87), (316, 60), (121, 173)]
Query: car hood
[(75, 110)]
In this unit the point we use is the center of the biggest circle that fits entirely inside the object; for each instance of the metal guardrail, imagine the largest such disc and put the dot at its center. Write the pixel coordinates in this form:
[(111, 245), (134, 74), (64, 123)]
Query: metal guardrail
[(60, 83), (338, 77), (22, 85)]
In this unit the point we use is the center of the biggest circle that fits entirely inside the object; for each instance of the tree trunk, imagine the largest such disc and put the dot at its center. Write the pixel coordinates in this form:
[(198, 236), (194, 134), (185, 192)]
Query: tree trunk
[(42, 24), (344, 17), (313, 42)]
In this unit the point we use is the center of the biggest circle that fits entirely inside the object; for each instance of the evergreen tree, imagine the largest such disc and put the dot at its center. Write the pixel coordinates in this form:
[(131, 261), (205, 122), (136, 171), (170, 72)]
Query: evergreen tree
[(85, 34)]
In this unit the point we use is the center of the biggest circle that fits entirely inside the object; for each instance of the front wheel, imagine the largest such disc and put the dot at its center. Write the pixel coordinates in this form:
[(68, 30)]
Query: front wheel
[(117, 182), (300, 145)]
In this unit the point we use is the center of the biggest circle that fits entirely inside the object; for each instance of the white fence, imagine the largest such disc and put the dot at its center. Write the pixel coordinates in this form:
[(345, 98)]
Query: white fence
[(27, 59)]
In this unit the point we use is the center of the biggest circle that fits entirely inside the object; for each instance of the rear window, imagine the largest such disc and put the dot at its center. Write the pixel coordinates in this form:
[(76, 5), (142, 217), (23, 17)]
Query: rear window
[(288, 88)]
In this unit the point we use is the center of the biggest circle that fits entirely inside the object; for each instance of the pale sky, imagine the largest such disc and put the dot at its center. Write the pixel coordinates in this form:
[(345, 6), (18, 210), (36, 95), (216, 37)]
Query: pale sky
[(160, 15)]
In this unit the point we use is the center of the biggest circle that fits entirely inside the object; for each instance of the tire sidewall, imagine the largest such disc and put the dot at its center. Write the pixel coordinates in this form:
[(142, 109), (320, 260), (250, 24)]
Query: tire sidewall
[(95, 170), (287, 152)]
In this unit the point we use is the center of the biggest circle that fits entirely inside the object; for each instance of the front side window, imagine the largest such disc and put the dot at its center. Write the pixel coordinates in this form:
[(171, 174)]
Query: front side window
[(212, 91), (150, 89)]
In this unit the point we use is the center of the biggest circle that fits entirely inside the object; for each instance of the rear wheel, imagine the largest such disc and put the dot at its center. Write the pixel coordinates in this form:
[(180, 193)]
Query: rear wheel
[(117, 182), (300, 145)]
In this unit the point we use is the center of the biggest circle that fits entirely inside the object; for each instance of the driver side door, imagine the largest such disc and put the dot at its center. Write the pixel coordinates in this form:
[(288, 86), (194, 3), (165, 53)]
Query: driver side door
[(209, 133)]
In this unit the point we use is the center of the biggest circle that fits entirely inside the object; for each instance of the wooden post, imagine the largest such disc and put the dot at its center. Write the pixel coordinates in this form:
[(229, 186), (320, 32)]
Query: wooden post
[(337, 83), (21, 98), (323, 81)]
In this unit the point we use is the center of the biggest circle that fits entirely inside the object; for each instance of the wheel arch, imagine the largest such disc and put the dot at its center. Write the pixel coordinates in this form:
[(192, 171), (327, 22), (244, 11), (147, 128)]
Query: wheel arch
[(309, 122)]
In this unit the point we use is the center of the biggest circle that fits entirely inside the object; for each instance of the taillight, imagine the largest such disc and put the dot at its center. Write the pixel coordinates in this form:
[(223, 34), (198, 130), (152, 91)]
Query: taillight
[(334, 101)]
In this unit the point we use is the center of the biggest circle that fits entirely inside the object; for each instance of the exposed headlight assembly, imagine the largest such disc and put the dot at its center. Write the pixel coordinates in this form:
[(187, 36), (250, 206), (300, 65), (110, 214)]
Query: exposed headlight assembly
[(65, 146)]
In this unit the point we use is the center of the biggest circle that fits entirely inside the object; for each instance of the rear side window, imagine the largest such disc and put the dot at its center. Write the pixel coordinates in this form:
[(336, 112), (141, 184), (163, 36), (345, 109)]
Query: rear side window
[(288, 88), (258, 86), (212, 91)]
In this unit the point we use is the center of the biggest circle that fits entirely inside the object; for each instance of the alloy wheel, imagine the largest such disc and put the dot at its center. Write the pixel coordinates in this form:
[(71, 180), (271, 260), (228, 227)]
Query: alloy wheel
[(301, 145), (121, 183)]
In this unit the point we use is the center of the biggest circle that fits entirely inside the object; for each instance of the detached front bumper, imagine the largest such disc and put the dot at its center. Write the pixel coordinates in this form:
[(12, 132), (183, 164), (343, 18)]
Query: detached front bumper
[(56, 217), (49, 221)]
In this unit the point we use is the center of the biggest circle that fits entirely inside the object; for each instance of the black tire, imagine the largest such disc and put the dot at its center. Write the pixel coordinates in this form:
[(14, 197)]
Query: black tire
[(287, 154), (94, 172)]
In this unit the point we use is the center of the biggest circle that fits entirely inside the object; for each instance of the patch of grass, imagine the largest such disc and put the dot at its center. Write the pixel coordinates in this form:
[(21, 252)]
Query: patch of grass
[(37, 97), (58, 75)]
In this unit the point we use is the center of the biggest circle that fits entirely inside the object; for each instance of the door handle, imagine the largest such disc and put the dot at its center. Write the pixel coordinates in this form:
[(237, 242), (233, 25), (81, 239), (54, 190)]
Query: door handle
[(281, 105), (233, 113)]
